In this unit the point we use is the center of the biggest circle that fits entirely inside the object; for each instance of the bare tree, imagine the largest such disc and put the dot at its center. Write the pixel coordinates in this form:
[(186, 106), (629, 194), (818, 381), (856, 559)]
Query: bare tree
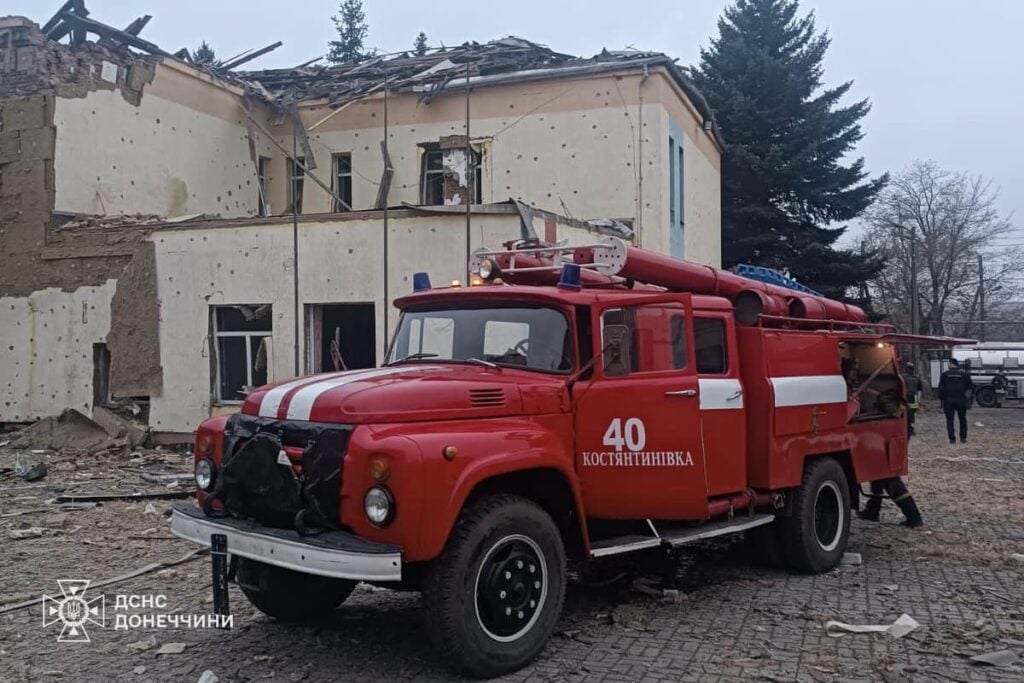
[(938, 231)]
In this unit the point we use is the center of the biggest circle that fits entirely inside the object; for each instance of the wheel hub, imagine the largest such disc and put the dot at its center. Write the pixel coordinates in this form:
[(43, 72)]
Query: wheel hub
[(511, 588), (828, 516)]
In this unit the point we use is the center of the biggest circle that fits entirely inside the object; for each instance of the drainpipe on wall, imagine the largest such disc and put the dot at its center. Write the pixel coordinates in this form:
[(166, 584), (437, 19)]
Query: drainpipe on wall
[(638, 229)]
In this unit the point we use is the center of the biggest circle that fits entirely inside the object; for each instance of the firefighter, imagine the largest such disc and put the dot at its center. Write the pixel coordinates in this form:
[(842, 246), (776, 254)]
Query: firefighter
[(955, 387), (913, 399), (1000, 384), (896, 490)]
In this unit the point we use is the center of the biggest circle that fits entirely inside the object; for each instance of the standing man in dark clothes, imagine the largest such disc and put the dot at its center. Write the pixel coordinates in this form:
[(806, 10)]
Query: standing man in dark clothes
[(954, 388)]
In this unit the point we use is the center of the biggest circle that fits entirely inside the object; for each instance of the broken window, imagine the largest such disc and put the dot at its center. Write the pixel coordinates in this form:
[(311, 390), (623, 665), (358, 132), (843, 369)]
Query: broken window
[(262, 164), (443, 172), (296, 177), (242, 345), (340, 337), (343, 182)]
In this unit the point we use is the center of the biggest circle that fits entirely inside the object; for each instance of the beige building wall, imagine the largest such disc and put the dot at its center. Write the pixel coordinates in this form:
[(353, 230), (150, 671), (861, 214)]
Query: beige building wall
[(340, 261), (47, 347), (182, 150)]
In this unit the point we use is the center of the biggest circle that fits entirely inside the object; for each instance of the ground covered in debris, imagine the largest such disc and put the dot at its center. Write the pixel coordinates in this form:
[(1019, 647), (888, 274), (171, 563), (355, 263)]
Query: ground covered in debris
[(723, 617)]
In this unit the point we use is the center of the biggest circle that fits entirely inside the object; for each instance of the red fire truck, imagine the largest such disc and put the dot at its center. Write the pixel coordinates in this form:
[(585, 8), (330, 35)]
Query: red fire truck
[(573, 403)]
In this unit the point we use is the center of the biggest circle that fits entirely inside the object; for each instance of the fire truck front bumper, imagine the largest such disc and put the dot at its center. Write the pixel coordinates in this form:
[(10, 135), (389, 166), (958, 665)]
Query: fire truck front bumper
[(337, 554)]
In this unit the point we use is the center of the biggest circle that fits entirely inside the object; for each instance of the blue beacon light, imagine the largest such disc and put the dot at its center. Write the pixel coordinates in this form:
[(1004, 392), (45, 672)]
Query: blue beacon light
[(570, 277), (420, 282)]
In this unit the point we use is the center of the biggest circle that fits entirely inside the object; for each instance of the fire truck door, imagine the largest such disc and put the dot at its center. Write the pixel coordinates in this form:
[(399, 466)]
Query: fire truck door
[(722, 417), (638, 439)]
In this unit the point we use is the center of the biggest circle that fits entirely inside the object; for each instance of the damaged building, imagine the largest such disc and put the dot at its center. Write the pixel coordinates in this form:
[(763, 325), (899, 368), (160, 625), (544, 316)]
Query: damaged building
[(174, 233)]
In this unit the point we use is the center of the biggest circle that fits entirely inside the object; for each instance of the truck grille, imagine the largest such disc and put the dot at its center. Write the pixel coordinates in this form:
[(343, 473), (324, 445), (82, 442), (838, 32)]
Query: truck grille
[(487, 398)]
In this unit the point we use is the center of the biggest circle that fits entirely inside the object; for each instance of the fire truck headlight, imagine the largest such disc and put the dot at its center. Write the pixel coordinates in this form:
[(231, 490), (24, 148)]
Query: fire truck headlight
[(379, 506), (204, 474)]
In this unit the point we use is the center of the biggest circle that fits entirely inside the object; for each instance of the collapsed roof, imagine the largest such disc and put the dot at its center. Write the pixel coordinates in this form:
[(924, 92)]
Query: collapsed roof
[(474, 64)]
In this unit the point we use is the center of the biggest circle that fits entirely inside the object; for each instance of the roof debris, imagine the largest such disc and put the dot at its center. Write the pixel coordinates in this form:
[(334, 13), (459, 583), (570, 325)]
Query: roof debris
[(505, 60)]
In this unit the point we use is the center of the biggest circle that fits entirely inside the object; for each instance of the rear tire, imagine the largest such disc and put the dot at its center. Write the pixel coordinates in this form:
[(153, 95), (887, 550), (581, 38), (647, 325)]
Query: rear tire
[(815, 536), (494, 595), (985, 397), (288, 595)]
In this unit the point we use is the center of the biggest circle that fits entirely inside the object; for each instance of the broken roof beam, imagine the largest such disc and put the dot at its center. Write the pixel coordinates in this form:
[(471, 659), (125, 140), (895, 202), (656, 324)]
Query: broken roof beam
[(78, 34), (259, 53), (104, 31), (56, 18), (135, 28)]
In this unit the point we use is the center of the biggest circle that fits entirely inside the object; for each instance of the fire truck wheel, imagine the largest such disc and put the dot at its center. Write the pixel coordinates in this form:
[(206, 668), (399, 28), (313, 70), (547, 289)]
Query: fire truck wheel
[(288, 595), (985, 397), (815, 536), (494, 595)]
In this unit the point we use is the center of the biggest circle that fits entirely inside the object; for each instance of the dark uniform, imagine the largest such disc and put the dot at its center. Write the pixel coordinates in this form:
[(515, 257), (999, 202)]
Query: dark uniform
[(954, 388), (894, 488)]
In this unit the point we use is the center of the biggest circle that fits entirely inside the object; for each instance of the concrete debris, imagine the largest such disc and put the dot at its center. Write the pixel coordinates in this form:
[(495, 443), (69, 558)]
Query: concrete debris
[(208, 677), (139, 670), (30, 532), (150, 509), (1002, 658), (897, 629), (29, 471), (171, 649), (133, 433), (852, 559), (71, 430), (1017, 557), (143, 645)]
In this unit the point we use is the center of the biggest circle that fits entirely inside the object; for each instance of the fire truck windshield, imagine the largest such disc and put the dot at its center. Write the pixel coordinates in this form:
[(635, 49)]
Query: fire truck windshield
[(528, 337)]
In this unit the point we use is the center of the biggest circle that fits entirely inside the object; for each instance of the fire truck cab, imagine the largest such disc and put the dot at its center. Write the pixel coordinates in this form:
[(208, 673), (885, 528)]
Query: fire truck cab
[(579, 403)]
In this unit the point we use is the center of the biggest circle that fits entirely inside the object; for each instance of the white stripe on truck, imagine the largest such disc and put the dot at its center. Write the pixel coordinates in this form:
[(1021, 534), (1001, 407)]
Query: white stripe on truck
[(808, 390), (720, 394), (302, 402)]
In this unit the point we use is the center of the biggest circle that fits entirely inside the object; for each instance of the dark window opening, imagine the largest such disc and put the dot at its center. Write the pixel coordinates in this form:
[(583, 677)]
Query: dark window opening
[(262, 166), (343, 182), (100, 374), (242, 345), (709, 346), (340, 337), (296, 180)]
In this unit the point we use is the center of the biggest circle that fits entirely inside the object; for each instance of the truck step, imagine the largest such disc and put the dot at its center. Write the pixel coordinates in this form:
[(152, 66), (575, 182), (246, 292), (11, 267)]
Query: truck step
[(674, 535)]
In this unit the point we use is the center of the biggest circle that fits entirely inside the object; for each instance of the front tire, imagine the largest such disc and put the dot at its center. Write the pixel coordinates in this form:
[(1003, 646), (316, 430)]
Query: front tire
[(288, 595), (494, 595), (816, 535)]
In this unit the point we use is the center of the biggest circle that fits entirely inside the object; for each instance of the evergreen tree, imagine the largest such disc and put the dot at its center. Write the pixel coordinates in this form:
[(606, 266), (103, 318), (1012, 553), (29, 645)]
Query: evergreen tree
[(786, 136), (420, 46), (352, 31), (204, 54)]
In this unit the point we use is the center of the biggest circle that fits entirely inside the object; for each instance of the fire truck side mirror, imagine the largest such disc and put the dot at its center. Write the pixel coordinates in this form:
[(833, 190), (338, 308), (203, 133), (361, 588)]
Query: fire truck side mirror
[(617, 361)]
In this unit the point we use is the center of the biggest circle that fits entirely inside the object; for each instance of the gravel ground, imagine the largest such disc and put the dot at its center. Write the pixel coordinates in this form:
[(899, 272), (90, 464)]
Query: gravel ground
[(731, 619)]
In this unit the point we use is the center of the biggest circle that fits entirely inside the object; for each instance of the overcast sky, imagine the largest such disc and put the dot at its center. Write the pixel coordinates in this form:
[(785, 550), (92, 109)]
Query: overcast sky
[(944, 77)]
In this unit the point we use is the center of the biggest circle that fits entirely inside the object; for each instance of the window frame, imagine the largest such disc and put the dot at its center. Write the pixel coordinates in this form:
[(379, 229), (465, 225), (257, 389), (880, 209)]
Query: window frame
[(726, 362), (248, 334), (296, 181), (262, 167), (475, 175), (338, 175), (683, 314)]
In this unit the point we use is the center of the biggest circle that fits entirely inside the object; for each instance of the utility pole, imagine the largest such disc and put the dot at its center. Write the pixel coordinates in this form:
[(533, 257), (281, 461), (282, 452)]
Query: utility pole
[(914, 322), (470, 181), (981, 297)]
